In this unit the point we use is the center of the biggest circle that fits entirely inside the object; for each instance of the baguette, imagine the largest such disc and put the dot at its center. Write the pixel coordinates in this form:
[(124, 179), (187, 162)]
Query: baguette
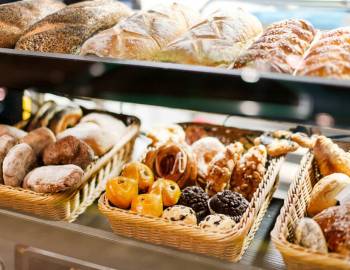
[(16, 17), (66, 30)]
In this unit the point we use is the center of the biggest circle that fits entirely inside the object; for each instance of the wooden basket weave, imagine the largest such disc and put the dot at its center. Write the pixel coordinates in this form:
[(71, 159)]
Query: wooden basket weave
[(294, 208), (69, 205), (228, 246)]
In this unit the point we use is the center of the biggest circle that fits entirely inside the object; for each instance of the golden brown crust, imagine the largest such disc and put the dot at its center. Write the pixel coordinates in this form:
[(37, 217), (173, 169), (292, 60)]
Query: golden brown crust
[(281, 147), (303, 140), (65, 118)]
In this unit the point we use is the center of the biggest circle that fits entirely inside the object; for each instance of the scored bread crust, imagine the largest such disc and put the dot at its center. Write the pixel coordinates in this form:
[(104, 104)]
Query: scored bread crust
[(16, 17), (66, 30)]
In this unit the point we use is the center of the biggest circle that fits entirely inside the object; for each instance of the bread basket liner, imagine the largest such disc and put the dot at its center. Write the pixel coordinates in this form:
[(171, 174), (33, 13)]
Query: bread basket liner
[(294, 208), (228, 246), (69, 205)]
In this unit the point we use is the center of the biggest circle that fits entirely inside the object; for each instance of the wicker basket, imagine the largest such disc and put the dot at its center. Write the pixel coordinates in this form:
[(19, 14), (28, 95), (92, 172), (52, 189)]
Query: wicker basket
[(295, 256), (228, 246), (69, 205)]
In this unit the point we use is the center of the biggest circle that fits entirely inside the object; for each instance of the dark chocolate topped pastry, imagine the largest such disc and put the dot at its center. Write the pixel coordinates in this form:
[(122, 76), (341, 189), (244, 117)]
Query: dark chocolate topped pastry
[(195, 198)]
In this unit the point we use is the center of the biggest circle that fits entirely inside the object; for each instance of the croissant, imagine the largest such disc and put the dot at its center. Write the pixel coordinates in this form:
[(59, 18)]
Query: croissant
[(329, 56), (280, 48), (330, 157)]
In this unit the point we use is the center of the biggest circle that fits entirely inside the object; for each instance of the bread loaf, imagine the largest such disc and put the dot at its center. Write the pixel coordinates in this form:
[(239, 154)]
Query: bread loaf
[(329, 56), (280, 48), (16, 17), (105, 122), (66, 30), (215, 41), (6, 143), (142, 35), (12, 131), (64, 118), (39, 139)]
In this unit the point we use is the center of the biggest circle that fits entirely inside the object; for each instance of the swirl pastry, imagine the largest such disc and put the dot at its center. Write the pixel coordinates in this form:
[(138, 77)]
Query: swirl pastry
[(330, 157), (250, 171), (174, 162), (164, 134), (280, 48), (214, 41), (221, 167), (329, 56)]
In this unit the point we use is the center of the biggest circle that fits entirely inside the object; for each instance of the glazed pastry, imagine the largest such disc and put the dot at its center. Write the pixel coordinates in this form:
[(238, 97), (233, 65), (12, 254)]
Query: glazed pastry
[(194, 133), (163, 134), (141, 173), (6, 143), (64, 118), (303, 140), (215, 41), (325, 191), (121, 191), (39, 139), (143, 34), (330, 157), (17, 17), (280, 48), (46, 111), (195, 198), (18, 162), (68, 150), (221, 167), (250, 171), (308, 234), (53, 179), (180, 214), (228, 203), (12, 131), (281, 147), (148, 205), (217, 224), (204, 150), (66, 30), (329, 56), (335, 224), (174, 162), (168, 189)]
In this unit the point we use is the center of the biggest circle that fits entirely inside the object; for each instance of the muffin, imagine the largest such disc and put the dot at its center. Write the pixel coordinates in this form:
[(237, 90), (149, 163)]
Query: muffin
[(197, 199)]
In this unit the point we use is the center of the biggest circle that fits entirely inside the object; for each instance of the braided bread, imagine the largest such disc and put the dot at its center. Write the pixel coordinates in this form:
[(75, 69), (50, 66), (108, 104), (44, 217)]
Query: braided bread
[(280, 48)]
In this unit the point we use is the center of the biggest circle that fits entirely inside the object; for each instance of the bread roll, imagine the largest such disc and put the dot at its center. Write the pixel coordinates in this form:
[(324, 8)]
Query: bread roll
[(142, 35), (329, 56), (280, 48), (43, 115), (18, 162), (6, 143), (53, 179), (16, 17), (325, 191), (39, 139), (64, 118), (12, 131), (215, 41), (106, 122), (66, 30)]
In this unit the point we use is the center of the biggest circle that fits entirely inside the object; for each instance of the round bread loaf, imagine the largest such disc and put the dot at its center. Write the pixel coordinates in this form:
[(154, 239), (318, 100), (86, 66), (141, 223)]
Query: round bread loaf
[(6, 143), (39, 139), (12, 131)]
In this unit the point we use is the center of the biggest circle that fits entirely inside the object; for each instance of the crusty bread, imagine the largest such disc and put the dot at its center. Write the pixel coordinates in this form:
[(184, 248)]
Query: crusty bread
[(16, 17), (142, 35), (280, 48), (12, 131), (66, 30), (39, 139), (6, 143), (214, 41)]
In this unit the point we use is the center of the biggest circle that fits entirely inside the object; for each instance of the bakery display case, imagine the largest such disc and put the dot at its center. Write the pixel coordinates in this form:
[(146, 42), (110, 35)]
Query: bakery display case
[(263, 79)]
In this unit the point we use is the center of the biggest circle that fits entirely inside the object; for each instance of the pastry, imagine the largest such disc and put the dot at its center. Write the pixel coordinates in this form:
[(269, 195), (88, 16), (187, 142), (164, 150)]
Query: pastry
[(204, 150), (281, 134), (228, 203), (143, 34), (180, 214), (148, 205), (17, 17), (65, 117), (308, 234), (303, 140), (53, 179), (325, 191), (39, 139), (18, 162), (173, 161), (280, 48), (66, 30), (6, 143), (221, 167), (329, 56), (68, 150), (48, 108), (168, 189), (330, 157), (12, 131), (163, 134), (121, 191), (335, 224), (195, 198), (281, 147), (215, 41), (217, 224), (194, 133), (250, 171), (141, 173)]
